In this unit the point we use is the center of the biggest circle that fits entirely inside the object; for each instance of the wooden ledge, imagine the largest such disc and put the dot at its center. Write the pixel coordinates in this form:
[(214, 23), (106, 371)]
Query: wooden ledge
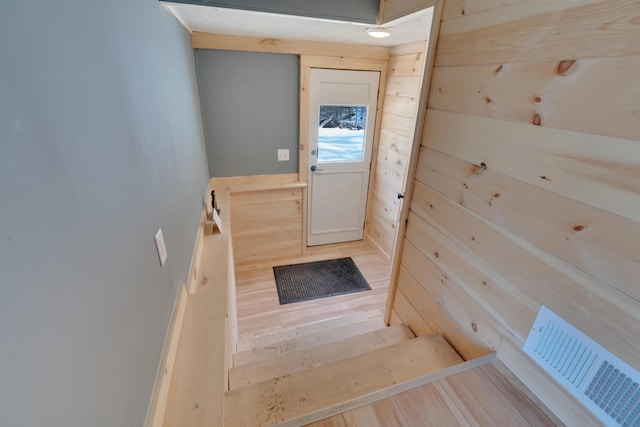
[(266, 187), (251, 183)]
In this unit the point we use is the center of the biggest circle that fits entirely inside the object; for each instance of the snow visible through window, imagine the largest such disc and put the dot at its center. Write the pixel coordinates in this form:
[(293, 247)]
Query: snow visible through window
[(341, 132)]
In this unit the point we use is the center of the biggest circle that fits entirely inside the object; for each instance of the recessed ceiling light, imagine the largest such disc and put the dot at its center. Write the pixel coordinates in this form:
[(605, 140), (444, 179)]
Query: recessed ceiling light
[(379, 32)]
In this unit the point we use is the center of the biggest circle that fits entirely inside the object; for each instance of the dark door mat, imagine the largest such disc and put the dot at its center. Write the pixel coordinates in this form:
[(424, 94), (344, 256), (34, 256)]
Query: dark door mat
[(313, 280)]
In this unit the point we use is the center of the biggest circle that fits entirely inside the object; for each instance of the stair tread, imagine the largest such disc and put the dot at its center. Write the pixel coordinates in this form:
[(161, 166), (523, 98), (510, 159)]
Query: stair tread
[(312, 357), (306, 341), (316, 393), (247, 342)]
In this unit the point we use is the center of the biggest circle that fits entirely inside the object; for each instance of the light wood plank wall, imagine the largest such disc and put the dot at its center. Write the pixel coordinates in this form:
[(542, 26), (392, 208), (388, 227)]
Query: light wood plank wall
[(399, 113), (527, 189), (266, 216)]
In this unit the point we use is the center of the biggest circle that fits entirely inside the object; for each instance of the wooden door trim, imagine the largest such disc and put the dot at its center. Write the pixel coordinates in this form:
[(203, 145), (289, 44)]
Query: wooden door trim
[(337, 63)]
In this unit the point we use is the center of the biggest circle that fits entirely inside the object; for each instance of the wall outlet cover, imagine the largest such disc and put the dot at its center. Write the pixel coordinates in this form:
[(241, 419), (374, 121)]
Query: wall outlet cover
[(160, 246), (283, 155)]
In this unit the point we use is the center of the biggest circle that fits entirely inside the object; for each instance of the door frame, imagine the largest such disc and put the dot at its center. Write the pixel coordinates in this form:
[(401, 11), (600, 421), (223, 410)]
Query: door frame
[(345, 218), (307, 62)]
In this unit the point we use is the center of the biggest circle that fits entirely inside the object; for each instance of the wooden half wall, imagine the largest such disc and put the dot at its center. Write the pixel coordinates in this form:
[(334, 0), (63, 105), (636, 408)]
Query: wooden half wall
[(527, 186), (399, 113)]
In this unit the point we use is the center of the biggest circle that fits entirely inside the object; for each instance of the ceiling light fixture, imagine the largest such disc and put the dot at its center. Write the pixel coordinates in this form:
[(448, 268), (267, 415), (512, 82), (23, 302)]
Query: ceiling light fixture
[(379, 32)]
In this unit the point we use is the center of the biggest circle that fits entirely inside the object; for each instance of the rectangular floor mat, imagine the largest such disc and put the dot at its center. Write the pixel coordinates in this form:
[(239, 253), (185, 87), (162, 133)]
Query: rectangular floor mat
[(312, 280)]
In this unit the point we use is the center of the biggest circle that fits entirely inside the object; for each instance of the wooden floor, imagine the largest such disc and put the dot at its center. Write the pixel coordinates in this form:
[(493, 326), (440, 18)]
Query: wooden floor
[(489, 395), (259, 311), (484, 396)]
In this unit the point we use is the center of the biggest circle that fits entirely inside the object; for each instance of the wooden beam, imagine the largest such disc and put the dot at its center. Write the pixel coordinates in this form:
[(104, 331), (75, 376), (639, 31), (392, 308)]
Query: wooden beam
[(295, 47)]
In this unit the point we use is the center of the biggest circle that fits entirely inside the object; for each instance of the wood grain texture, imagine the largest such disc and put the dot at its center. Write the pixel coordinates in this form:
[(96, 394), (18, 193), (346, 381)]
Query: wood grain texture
[(559, 401), (259, 311), (507, 304), (413, 158), (197, 386), (582, 300), (596, 242), (397, 128), (480, 329), (457, 8), (480, 400), (527, 32), (406, 86), (408, 48), (248, 180), (266, 224), (597, 170), (332, 388), (316, 356), (400, 105), (569, 96), (208, 333), (288, 346), (167, 363), (526, 190), (297, 47), (435, 316), (496, 396), (516, 392), (410, 316)]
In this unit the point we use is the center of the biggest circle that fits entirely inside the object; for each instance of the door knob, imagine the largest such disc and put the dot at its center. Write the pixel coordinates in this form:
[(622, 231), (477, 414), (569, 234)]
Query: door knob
[(315, 168)]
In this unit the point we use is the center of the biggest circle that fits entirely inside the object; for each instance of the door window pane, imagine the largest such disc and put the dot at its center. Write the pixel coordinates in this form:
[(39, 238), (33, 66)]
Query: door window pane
[(341, 130)]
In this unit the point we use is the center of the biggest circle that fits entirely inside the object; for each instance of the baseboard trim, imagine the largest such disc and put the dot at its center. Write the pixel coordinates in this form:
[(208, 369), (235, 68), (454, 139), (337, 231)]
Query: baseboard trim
[(371, 241), (163, 379), (162, 385)]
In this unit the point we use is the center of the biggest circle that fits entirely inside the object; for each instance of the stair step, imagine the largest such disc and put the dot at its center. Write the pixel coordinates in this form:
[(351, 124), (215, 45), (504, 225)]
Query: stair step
[(247, 342), (312, 357), (288, 346), (317, 393)]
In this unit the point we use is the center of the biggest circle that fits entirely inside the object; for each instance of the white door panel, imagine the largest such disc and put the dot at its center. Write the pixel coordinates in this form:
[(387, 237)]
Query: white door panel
[(333, 197), (342, 121)]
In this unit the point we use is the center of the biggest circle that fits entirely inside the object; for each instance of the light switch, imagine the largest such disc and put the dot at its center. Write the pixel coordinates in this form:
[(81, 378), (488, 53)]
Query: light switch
[(283, 155), (162, 249)]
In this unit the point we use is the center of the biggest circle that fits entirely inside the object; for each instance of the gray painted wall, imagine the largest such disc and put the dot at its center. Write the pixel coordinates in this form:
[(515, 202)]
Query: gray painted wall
[(101, 143), (250, 103), (346, 10)]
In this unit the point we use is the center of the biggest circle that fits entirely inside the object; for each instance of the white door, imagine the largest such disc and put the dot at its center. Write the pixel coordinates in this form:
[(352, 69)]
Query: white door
[(342, 115)]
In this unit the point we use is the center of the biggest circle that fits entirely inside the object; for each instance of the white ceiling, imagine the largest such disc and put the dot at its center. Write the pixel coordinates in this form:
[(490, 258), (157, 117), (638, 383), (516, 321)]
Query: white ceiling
[(411, 28)]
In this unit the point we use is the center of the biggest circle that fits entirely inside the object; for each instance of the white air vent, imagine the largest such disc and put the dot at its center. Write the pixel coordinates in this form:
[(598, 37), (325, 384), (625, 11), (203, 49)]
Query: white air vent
[(602, 382)]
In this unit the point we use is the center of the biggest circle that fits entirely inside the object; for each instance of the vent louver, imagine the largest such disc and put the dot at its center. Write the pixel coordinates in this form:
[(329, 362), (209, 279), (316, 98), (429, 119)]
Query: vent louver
[(606, 385)]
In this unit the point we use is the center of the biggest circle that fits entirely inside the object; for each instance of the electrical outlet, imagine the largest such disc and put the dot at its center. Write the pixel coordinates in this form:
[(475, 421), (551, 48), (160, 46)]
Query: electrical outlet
[(283, 155), (162, 249)]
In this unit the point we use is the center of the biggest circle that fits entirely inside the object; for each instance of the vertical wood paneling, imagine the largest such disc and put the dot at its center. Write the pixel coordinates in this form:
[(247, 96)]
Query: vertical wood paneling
[(527, 189), (404, 81)]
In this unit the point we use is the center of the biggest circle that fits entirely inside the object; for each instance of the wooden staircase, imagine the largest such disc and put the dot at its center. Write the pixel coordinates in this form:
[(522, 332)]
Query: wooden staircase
[(303, 375)]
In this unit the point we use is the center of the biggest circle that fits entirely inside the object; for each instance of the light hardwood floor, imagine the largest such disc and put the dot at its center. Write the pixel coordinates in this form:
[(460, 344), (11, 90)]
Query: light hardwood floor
[(485, 396), (259, 311)]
